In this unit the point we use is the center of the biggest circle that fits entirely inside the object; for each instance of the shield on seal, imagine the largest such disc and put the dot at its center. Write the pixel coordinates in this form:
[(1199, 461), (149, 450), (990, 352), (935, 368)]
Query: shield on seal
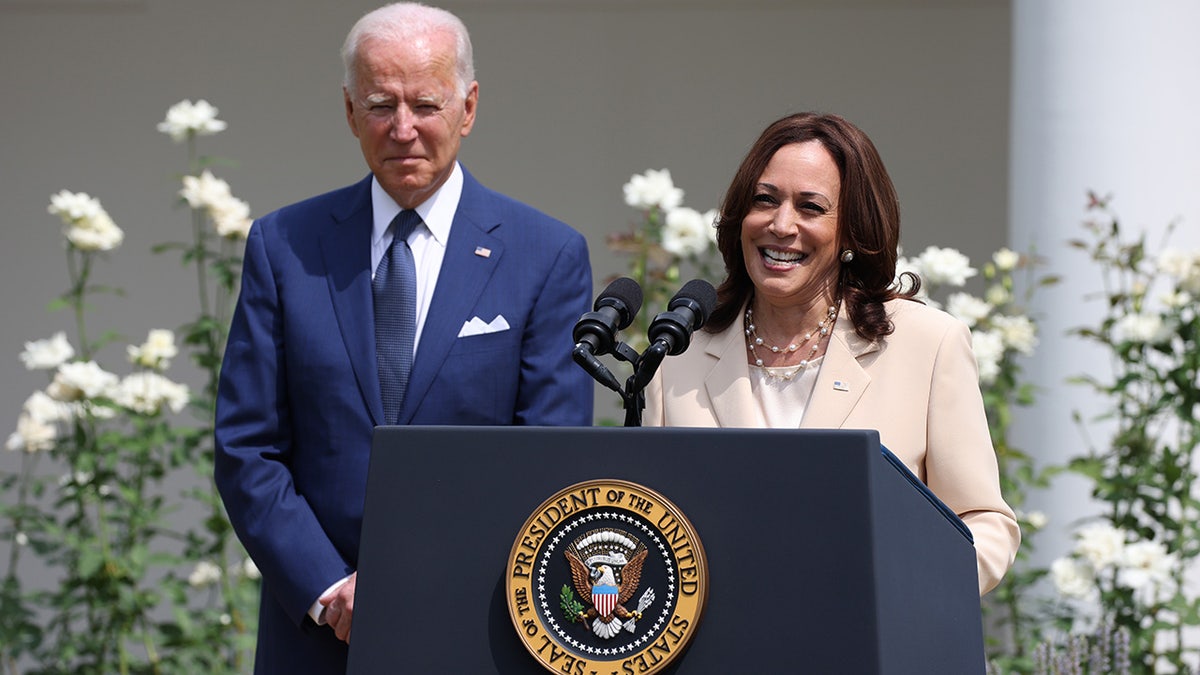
[(605, 599)]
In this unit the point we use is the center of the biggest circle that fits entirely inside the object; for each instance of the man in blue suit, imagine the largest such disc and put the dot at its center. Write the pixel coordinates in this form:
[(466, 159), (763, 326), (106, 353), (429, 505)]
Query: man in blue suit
[(319, 353)]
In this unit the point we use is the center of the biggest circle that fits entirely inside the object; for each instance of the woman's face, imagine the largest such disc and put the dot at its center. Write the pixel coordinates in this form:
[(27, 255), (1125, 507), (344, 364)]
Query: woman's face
[(790, 235)]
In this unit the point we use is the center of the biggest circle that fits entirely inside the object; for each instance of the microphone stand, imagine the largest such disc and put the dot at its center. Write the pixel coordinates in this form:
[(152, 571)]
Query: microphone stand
[(632, 398)]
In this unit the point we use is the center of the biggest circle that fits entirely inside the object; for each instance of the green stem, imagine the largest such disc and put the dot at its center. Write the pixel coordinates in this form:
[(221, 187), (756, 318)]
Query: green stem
[(79, 274), (28, 463)]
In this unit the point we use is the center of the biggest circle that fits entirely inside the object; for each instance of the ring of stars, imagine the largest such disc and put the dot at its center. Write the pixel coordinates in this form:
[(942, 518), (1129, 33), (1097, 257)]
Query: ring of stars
[(668, 604)]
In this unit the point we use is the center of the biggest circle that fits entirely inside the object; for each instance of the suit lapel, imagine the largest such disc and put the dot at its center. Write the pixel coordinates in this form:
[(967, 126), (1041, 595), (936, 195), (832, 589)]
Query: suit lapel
[(728, 383), (842, 380), (346, 248), (463, 276)]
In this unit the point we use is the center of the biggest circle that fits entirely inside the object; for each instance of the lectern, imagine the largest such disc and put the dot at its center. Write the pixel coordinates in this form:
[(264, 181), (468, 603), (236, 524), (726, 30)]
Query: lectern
[(824, 555)]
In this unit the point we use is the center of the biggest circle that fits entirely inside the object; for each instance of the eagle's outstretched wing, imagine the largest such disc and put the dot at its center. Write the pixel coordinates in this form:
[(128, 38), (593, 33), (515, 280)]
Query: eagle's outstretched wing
[(631, 576), (579, 575)]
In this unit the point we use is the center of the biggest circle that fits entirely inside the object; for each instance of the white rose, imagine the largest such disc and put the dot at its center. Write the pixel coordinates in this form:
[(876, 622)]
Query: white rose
[(1144, 566), (89, 227), (148, 392), (1100, 544), (1006, 260), (32, 435), (945, 266), (231, 218), (967, 308), (201, 192), (80, 380), (1141, 328), (156, 352), (684, 232), (22, 539), (95, 234), (230, 215), (1173, 300), (1072, 578), (1176, 263), (49, 353), (653, 189), (186, 118), (1183, 267), (989, 349), (205, 574), (41, 407), (73, 206), (1018, 332), (1036, 519), (997, 295)]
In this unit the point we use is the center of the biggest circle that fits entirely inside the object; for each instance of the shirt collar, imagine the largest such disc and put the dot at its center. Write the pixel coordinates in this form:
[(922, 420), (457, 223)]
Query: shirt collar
[(437, 211)]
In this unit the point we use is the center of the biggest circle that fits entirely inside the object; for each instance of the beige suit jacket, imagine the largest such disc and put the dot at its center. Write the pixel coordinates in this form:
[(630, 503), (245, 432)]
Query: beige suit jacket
[(919, 387)]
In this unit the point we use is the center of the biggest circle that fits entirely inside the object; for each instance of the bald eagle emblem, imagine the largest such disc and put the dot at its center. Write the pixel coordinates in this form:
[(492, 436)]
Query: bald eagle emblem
[(606, 568)]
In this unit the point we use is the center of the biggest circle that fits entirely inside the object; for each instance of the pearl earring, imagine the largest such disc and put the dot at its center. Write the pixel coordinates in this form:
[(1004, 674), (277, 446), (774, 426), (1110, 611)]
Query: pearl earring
[(847, 256)]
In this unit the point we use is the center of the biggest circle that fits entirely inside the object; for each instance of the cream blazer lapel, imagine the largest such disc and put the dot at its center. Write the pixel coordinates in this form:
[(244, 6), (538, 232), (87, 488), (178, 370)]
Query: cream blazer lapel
[(842, 380), (728, 383)]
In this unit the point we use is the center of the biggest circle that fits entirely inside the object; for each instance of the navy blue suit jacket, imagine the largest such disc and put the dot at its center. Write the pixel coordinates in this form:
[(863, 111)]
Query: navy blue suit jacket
[(299, 393)]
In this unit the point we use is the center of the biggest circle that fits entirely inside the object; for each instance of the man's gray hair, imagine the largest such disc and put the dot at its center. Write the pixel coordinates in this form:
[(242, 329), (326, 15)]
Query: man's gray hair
[(404, 21)]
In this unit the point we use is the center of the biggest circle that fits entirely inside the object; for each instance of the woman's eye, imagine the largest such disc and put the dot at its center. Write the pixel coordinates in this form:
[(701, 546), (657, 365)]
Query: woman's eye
[(764, 198), (810, 207)]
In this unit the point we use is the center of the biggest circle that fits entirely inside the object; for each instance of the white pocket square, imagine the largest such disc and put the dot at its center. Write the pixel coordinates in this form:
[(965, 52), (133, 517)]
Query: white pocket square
[(477, 326)]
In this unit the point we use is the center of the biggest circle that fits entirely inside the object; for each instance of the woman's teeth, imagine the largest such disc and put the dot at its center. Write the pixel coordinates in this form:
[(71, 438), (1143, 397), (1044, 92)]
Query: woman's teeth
[(786, 257)]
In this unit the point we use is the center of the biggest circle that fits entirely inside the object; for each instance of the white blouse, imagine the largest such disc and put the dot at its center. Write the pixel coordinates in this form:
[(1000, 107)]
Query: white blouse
[(783, 392)]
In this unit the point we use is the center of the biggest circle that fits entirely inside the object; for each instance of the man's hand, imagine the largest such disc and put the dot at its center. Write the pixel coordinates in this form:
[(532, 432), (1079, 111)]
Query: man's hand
[(339, 608)]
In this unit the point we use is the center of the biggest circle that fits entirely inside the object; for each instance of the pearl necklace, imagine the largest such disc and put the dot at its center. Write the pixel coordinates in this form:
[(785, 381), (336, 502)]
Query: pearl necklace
[(753, 341)]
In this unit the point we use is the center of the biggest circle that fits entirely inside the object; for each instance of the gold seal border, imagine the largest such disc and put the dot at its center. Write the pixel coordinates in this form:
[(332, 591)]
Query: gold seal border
[(520, 584)]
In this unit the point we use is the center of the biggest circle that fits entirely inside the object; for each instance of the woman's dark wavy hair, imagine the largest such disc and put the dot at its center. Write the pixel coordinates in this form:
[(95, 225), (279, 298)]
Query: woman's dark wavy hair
[(868, 222)]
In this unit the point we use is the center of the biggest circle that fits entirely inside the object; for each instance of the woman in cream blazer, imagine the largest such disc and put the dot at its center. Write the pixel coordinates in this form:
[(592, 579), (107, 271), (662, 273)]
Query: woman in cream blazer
[(917, 383)]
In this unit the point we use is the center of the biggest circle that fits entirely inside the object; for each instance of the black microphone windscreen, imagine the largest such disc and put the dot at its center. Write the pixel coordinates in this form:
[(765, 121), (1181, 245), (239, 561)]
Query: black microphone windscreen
[(628, 292), (701, 292)]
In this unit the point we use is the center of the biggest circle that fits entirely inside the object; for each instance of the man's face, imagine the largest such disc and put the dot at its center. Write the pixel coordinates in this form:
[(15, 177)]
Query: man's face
[(408, 114)]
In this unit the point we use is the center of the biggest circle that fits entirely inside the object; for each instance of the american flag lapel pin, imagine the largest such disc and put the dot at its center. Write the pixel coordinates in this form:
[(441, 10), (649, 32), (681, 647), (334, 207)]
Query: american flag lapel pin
[(838, 385), (483, 252)]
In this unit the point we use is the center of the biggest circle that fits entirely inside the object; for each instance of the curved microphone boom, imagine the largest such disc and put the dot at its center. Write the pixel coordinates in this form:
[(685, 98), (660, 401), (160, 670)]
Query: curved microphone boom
[(670, 332), (595, 333)]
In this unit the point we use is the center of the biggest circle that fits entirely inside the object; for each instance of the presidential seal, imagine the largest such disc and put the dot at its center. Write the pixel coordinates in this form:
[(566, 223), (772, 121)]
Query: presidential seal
[(606, 577)]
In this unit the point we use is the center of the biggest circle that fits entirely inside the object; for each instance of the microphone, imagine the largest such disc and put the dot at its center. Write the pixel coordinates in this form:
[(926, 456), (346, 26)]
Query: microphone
[(670, 332), (595, 333), (686, 313), (615, 308)]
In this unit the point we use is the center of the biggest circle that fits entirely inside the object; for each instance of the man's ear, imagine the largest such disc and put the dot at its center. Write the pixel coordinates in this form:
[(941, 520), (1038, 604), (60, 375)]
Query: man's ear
[(470, 103), (350, 112)]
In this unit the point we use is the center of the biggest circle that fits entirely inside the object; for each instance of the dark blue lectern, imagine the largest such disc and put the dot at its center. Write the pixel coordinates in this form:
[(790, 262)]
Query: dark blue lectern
[(823, 555)]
